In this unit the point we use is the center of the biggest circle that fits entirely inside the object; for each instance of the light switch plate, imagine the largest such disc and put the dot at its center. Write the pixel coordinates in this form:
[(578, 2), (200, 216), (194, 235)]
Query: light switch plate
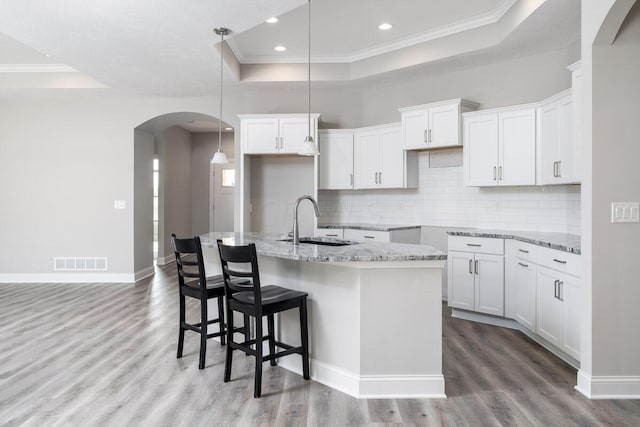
[(625, 212), (120, 204)]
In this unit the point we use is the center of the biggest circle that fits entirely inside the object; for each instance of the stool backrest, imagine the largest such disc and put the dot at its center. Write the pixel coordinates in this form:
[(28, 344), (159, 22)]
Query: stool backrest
[(244, 260), (190, 262)]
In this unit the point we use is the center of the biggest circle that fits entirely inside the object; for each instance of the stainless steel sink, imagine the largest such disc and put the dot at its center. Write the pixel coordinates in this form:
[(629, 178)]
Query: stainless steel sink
[(323, 241)]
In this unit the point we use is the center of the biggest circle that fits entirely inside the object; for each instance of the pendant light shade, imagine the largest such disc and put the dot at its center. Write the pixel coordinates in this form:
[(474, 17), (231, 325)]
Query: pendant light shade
[(309, 147), (219, 158)]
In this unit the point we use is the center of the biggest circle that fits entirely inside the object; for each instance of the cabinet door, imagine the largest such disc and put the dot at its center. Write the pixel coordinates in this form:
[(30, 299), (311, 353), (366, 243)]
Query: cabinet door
[(549, 310), (524, 282), (481, 150), (517, 147), (366, 150), (335, 161), (568, 165), (414, 129), (572, 306), (549, 152), (260, 136), (391, 159), (460, 286), (292, 133), (444, 126), (489, 284)]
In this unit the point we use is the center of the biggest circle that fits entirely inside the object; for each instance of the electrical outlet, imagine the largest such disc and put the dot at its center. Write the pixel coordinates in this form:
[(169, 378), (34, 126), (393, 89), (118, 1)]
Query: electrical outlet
[(625, 212), (120, 204)]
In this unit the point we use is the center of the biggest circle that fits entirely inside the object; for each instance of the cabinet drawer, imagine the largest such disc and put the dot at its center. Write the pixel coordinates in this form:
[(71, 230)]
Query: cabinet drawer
[(560, 261), (484, 245), (337, 233), (367, 235), (526, 251)]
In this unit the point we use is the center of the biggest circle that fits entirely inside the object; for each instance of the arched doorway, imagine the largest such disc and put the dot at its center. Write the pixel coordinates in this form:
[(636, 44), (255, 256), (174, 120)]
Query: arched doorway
[(178, 196)]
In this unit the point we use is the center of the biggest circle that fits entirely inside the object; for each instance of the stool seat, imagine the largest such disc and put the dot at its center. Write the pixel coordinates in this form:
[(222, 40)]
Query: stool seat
[(271, 294)]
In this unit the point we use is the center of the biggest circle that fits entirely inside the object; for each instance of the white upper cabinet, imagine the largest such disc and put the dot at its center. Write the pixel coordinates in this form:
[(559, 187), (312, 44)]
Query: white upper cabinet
[(275, 134), (336, 159), (380, 161), (500, 147), (433, 125), (559, 151)]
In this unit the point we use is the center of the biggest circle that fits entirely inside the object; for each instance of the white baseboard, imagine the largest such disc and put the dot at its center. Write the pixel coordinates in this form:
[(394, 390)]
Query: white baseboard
[(68, 278), (369, 386), (144, 273), (164, 260), (609, 387)]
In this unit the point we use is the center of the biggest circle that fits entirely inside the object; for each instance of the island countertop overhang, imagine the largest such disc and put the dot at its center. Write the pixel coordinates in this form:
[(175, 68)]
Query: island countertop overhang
[(272, 244)]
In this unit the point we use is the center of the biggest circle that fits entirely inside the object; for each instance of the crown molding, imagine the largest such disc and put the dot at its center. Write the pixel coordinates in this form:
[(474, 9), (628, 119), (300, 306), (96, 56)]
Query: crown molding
[(36, 68), (433, 34)]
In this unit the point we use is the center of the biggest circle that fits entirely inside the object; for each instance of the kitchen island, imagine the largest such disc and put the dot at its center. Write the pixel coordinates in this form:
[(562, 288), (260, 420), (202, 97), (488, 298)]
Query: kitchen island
[(375, 323)]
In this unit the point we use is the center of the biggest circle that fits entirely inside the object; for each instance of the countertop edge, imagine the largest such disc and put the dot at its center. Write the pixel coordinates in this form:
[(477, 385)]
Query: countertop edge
[(520, 237)]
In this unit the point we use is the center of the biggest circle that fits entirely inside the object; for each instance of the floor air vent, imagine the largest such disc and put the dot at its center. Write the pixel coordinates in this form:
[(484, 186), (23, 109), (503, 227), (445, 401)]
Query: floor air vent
[(80, 264)]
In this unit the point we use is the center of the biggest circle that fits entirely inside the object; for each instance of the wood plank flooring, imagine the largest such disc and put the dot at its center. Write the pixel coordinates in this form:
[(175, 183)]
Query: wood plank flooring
[(104, 355)]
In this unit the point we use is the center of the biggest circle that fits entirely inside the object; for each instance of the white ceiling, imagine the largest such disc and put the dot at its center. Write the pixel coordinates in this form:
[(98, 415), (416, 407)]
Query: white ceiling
[(168, 48)]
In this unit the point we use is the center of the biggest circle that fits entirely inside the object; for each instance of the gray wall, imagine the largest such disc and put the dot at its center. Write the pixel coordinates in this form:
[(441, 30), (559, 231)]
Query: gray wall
[(615, 178), (175, 173), (143, 200)]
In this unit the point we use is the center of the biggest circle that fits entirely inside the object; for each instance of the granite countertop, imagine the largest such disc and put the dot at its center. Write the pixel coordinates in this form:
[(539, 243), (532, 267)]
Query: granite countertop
[(373, 227), (271, 244), (561, 241)]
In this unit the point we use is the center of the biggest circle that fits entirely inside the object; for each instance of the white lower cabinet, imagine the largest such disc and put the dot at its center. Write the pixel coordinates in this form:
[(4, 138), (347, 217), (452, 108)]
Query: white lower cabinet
[(524, 285), (559, 310), (476, 279)]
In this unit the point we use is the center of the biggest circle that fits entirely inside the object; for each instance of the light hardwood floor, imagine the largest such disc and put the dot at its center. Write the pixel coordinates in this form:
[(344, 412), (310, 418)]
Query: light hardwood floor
[(104, 354)]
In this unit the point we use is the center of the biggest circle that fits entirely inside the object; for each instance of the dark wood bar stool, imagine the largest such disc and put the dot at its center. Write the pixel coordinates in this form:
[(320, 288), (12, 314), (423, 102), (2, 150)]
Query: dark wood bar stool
[(257, 302), (193, 282)]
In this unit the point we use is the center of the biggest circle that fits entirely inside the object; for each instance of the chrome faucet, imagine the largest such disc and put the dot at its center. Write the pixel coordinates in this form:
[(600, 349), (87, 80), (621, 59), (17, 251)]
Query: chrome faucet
[(296, 232)]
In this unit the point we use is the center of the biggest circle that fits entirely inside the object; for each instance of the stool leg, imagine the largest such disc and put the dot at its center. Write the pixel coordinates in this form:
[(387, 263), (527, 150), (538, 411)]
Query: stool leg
[(203, 332), (229, 356), (247, 328), (304, 337), (272, 340), (221, 323), (257, 391), (181, 331)]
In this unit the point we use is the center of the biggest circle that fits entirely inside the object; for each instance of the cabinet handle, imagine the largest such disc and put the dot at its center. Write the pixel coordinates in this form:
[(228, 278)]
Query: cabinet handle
[(276, 142), (500, 173), (331, 235), (555, 288), (379, 177), (350, 179), (376, 177), (426, 139), (559, 168), (369, 237), (430, 136), (556, 169), (494, 173), (524, 265), (475, 245), (476, 266), (560, 261), (560, 286), (523, 251), (470, 266)]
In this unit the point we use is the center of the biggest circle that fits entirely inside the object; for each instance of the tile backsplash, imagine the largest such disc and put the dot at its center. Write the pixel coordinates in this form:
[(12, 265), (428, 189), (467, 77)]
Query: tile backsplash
[(442, 200)]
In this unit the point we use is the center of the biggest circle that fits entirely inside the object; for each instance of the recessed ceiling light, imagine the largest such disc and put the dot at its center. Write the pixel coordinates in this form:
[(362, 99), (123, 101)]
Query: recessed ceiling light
[(280, 48), (272, 20), (385, 26), (228, 128)]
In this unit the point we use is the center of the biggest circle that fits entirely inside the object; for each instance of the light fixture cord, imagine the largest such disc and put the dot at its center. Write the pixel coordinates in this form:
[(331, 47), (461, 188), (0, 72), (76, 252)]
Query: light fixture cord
[(309, 71), (220, 118)]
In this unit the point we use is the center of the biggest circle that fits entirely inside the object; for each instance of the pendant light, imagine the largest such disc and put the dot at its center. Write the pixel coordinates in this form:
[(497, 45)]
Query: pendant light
[(219, 158), (309, 147)]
